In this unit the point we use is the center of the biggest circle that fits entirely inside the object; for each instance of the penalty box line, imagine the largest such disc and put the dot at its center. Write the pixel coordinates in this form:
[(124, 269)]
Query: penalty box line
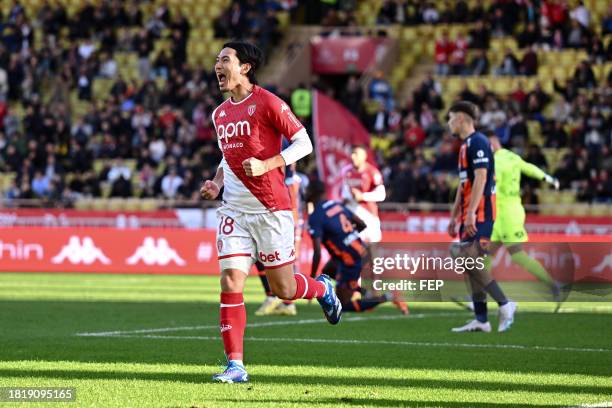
[(265, 324)]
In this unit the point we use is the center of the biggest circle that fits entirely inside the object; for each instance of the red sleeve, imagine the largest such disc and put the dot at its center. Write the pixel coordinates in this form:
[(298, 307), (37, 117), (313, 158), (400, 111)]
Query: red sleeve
[(281, 117)]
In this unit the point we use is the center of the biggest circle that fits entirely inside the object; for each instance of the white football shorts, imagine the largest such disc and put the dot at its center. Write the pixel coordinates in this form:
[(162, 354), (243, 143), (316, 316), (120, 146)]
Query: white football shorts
[(244, 238), (373, 232)]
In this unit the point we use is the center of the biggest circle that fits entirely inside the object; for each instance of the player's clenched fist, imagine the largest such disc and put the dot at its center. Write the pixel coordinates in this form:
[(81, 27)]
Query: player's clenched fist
[(210, 190), (254, 167)]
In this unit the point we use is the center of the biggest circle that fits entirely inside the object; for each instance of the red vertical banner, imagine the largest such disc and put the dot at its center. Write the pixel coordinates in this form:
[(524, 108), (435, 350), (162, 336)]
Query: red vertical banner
[(336, 130)]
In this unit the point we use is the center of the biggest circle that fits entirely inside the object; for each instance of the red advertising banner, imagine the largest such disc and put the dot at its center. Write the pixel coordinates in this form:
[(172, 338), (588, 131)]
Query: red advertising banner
[(414, 222), (181, 251), (108, 250), (336, 130), (345, 54), (540, 224)]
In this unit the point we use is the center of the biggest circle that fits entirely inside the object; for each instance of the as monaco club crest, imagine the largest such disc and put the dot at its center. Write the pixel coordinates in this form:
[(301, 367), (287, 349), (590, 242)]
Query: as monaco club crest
[(219, 245), (251, 109)]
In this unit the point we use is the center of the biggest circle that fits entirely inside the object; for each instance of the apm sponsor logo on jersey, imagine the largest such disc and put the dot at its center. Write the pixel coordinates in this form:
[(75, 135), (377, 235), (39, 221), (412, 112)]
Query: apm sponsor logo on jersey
[(228, 130), (79, 251), (155, 252)]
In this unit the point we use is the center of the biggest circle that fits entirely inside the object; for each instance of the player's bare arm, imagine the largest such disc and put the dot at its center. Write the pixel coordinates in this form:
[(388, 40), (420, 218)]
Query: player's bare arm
[(452, 224), (255, 167), (211, 188), (480, 179)]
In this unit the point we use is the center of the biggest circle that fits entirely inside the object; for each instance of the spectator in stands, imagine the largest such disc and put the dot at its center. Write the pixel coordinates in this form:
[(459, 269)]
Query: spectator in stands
[(576, 37), (444, 48), (500, 25), (479, 64), (388, 13), (509, 64), (170, 183), (352, 96), (529, 37), (380, 90), (557, 136), (479, 36), (597, 52), (467, 95), (117, 170), (378, 121), (301, 101), (581, 14), (554, 13), (414, 135), (584, 76), (41, 184), (461, 12), (606, 22), (430, 13), (458, 55), (561, 110), (529, 62)]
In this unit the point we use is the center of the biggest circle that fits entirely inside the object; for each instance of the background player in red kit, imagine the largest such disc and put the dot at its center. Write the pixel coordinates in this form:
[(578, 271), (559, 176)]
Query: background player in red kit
[(255, 220), (362, 188)]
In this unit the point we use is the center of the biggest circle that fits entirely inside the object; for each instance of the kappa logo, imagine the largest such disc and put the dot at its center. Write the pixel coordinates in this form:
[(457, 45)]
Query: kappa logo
[(284, 107), (80, 252), (251, 109), (222, 114), (153, 252), (605, 263), (225, 327)]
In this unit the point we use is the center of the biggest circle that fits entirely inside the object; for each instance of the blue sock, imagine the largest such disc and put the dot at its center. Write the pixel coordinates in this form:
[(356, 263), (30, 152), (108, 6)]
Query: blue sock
[(480, 306)]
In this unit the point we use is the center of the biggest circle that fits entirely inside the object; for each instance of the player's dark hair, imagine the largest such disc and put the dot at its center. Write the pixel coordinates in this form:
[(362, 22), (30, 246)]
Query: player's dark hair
[(315, 191), (247, 53), (465, 107)]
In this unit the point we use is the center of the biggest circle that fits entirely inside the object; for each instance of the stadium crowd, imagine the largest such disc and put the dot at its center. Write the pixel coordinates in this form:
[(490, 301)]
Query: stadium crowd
[(167, 131)]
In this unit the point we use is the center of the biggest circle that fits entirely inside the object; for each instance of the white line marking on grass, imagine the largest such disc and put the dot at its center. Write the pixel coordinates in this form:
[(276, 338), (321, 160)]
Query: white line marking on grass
[(381, 342), (267, 324), (598, 405)]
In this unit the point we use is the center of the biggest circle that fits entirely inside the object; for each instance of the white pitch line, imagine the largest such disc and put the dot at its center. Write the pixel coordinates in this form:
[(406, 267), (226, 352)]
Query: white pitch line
[(382, 342), (265, 324)]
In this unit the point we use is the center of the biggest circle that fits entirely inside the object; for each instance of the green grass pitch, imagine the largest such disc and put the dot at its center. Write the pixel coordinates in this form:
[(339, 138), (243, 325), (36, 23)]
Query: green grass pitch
[(153, 341)]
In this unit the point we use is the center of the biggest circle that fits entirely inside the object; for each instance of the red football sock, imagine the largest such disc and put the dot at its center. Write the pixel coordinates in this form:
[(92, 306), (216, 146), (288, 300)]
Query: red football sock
[(307, 287), (232, 323)]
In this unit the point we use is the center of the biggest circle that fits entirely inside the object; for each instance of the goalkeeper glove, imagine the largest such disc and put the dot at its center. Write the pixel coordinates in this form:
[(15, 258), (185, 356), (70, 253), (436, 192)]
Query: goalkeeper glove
[(552, 181)]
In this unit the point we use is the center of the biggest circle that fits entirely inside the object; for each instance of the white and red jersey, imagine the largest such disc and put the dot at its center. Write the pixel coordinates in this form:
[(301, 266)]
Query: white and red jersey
[(254, 127), (366, 181)]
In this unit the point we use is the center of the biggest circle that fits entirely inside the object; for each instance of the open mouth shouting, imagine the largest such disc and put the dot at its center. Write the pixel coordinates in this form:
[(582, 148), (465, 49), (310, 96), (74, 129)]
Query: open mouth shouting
[(222, 80)]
